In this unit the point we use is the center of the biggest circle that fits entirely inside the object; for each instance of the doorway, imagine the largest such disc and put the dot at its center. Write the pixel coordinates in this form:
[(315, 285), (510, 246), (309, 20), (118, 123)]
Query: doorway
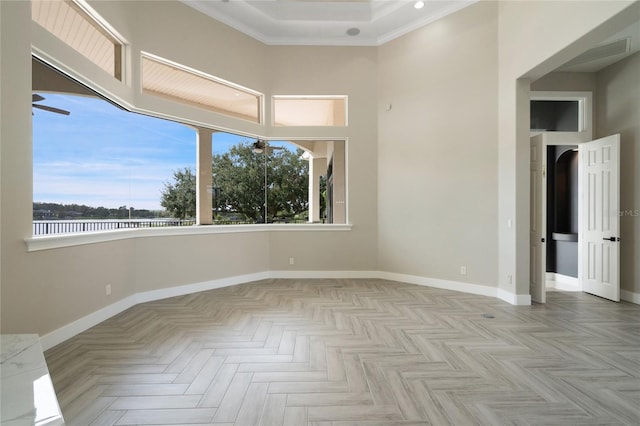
[(574, 230), (562, 217)]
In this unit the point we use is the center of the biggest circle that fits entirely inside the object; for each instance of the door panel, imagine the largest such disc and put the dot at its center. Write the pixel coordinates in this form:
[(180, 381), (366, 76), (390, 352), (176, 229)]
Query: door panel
[(537, 231), (600, 220)]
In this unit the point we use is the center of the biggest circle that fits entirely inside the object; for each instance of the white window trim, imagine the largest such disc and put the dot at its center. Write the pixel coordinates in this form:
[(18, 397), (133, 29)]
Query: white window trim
[(585, 110), (108, 31), (48, 242)]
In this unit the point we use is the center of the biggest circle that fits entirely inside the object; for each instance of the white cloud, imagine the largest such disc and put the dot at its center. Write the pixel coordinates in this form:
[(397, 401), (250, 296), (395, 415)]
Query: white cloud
[(103, 156)]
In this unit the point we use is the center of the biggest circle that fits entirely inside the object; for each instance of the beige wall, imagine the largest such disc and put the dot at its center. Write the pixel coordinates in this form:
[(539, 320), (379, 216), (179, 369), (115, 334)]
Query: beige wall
[(616, 95), (562, 81), (437, 150), (535, 38), (19, 296), (164, 262), (430, 182), (45, 290), (618, 111)]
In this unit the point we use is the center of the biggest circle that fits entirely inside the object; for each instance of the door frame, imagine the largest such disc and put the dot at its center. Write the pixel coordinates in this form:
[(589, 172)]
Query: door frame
[(556, 139), (584, 134)]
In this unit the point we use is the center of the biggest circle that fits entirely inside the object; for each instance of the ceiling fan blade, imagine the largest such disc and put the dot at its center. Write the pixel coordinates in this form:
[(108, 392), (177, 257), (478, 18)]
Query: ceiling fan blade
[(36, 98), (51, 109)]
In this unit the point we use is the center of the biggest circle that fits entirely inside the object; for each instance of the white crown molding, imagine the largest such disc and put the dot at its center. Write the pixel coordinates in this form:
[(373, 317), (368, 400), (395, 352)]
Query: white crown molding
[(428, 19), (386, 21)]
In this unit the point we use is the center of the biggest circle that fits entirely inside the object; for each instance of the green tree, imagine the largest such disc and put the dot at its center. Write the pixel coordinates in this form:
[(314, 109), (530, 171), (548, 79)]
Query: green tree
[(239, 179), (179, 196)]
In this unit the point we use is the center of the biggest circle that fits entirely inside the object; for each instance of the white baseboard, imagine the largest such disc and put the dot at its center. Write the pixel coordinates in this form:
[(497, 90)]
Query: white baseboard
[(482, 290), (562, 282), (629, 296), (76, 327), (164, 293), (438, 283), (323, 274), (514, 299)]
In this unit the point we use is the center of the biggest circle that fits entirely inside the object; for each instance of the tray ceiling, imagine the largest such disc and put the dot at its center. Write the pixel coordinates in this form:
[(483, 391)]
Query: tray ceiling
[(326, 22)]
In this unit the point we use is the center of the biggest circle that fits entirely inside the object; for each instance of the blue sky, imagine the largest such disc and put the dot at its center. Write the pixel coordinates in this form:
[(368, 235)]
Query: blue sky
[(101, 155)]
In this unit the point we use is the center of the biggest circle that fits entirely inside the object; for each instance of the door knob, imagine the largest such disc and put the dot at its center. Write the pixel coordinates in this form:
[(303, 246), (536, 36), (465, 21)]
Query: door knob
[(610, 239)]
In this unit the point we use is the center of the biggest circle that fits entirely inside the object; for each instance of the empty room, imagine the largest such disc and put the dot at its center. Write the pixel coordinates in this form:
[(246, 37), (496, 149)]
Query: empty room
[(292, 212)]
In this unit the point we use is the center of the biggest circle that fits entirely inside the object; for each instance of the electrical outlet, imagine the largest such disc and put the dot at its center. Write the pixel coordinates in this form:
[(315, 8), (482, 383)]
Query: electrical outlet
[(107, 289), (463, 270), (510, 279), (292, 261)]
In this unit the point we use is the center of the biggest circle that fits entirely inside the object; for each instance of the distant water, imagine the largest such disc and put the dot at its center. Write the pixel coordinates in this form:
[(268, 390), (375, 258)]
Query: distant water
[(50, 227)]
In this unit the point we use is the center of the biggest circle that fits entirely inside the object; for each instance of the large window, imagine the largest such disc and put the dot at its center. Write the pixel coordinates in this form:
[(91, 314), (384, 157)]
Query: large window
[(289, 181), (77, 25), (97, 166), (256, 181)]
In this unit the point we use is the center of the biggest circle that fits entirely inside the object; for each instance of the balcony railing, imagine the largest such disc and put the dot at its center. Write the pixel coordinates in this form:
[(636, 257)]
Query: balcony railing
[(49, 227)]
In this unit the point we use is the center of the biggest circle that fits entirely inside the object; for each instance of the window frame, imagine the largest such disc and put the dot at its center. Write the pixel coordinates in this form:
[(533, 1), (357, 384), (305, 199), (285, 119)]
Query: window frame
[(585, 112), (45, 242), (276, 98), (203, 75), (93, 18)]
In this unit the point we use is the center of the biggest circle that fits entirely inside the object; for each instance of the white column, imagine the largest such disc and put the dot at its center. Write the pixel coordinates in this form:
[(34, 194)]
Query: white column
[(339, 184), (317, 168), (204, 179)]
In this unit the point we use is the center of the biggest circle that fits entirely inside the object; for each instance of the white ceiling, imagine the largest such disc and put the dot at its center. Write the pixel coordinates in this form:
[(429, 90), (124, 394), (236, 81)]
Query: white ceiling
[(325, 22)]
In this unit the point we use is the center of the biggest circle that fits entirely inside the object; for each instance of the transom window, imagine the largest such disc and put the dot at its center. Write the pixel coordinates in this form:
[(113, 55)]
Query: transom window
[(176, 82), (81, 28), (310, 110)]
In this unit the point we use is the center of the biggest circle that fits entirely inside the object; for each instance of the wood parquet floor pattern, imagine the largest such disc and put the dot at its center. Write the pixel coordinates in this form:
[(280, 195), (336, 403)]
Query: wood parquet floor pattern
[(354, 352)]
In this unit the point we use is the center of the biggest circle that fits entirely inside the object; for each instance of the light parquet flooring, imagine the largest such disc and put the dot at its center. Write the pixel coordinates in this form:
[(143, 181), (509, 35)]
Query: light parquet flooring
[(361, 352)]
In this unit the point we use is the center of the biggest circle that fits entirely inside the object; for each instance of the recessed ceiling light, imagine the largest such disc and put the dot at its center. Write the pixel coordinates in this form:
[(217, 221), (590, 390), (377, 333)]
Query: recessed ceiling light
[(353, 31), (419, 5)]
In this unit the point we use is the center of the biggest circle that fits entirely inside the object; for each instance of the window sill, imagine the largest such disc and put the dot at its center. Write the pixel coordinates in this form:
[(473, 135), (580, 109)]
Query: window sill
[(47, 242)]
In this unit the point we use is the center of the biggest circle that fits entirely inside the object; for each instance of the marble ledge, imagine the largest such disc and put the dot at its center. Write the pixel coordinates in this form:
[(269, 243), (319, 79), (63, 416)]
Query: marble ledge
[(27, 396)]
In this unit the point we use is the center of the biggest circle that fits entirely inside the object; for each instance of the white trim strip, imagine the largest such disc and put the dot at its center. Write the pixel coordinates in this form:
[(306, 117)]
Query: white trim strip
[(323, 274), (47, 242), (164, 293), (562, 282), (514, 299), (76, 327), (443, 284), (629, 296)]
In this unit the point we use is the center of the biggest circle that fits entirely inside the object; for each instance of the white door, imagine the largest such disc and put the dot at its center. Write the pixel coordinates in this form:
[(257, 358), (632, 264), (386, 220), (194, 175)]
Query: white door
[(537, 229), (599, 218)]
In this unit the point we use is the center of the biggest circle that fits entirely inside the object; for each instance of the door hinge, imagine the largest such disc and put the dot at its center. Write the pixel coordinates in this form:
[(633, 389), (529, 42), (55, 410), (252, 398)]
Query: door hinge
[(544, 171)]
